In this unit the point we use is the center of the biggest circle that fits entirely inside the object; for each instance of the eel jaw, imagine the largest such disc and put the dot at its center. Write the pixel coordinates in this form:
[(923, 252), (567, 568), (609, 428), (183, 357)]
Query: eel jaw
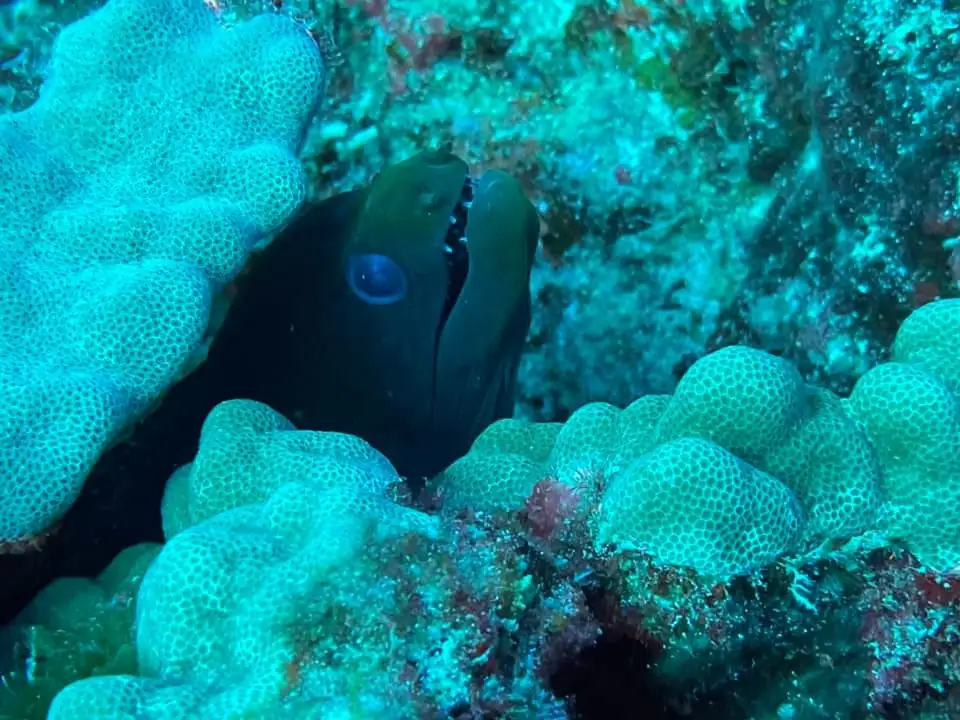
[(455, 245)]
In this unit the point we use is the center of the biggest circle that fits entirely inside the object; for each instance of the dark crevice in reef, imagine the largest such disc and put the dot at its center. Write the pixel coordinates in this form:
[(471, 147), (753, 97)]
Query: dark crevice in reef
[(612, 679), (630, 673), (616, 676)]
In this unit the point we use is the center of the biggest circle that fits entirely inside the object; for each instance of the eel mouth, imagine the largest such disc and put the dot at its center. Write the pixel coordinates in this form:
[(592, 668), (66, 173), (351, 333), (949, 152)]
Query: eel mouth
[(456, 247)]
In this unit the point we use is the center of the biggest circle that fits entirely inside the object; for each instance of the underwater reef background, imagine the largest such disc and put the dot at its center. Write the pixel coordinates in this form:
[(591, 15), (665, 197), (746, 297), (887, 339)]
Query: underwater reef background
[(479, 359)]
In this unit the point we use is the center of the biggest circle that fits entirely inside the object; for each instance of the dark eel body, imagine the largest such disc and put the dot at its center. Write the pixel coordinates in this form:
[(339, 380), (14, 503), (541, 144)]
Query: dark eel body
[(396, 312)]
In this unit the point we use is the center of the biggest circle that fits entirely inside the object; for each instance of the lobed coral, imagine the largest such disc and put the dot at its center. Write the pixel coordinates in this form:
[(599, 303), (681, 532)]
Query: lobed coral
[(292, 585), (160, 152), (745, 462), (699, 529)]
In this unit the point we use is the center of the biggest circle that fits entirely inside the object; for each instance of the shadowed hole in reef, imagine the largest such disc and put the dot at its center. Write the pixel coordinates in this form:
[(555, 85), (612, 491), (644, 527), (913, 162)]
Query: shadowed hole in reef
[(628, 673), (613, 679), (617, 677)]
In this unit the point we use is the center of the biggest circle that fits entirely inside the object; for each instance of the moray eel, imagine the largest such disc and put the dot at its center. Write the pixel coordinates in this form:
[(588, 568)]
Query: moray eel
[(396, 312)]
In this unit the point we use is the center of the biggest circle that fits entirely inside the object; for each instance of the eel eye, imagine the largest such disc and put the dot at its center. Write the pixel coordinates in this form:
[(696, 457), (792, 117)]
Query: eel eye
[(376, 279)]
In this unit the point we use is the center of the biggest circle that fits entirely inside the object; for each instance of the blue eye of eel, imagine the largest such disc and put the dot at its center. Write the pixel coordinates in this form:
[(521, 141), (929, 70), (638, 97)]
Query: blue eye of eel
[(376, 279)]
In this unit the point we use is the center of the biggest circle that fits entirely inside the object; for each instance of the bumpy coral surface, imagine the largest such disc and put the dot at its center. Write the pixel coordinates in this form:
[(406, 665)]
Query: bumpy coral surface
[(685, 534), (293, 586), (746, 462), (160, 152)]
